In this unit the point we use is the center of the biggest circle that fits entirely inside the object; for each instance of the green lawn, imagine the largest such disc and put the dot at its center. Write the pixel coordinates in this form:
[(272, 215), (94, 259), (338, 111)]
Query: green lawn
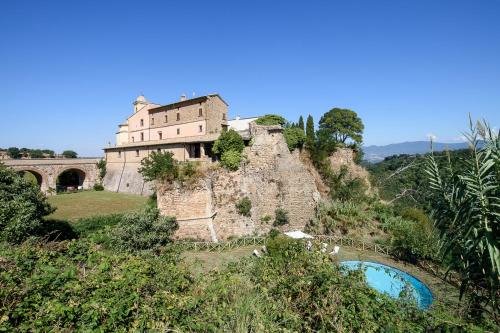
[(72, 206)]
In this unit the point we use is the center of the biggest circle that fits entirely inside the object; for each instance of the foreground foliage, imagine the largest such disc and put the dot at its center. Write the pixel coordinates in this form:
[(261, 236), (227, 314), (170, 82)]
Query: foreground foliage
[(77, 285), (22, 207), (466, 206)]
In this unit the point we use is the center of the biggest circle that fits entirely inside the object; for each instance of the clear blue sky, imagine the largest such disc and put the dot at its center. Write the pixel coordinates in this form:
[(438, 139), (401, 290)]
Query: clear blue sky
[(71, 69)]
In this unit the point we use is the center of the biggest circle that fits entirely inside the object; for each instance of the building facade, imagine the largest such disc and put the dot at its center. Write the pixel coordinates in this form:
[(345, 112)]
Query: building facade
[(187, 128)]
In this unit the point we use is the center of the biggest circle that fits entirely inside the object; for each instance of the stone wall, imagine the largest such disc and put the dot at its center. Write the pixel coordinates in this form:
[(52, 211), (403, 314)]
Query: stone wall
[(271, 177), (344, 157)]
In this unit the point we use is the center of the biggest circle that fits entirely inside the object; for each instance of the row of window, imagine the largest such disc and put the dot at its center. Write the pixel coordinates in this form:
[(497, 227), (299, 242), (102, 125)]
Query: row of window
[(160, 134), (178, 115)]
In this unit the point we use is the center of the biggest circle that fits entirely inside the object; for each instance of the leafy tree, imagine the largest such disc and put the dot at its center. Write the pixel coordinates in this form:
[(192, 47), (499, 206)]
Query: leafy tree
[(466, 207), (271, 119), (301, 124), (231, 159), (69, 154), (101, 165), (22, 207), (49, 152), (159, 166), (13, 152), (310, 131), (294, 137), (228, 140), (36, 153), (341, 125), (144, 230)]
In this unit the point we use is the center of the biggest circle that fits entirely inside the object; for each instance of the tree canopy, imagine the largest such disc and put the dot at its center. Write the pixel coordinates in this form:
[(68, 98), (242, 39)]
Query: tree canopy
[(271, 119), (69, 154), (342, 125)]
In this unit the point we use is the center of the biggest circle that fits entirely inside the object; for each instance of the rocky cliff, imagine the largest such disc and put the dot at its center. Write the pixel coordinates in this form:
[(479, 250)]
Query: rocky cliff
[(270, 176)]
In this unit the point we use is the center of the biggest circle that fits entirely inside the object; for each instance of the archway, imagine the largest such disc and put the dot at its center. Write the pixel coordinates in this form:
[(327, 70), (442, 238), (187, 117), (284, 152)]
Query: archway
[(70, 179), (32, 176)]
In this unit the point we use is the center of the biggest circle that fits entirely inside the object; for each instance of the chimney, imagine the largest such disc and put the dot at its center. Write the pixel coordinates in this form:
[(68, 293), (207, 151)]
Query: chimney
[(183, 97)]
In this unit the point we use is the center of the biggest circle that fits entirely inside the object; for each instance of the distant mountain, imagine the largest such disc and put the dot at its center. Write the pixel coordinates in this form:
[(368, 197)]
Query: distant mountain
[(378, 153)]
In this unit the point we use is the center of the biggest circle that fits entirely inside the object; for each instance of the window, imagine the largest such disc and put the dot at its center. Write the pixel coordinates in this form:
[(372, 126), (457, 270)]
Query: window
[(142, 122), (178, 131), (158, 150), (152, 121), (178, 116), (166, 118), (200, 128), (133, 139), (119, 154), (200, 112), (142, 136), (159, 135), (223, 116), (137, 152)]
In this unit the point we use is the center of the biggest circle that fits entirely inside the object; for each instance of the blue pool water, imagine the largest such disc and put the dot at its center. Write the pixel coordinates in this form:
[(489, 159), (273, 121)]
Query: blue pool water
[(392, 281)]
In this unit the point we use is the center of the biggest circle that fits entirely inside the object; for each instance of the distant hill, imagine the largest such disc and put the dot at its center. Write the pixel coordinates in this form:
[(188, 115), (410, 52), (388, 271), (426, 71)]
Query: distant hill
[(378, 153)]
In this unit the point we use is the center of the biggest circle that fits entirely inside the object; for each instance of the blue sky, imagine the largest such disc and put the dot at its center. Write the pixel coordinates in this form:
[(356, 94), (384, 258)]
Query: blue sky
[(71, 69)]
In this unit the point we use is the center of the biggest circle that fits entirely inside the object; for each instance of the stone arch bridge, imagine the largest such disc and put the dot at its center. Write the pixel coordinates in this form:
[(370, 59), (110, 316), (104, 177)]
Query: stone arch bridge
[(47, 170)]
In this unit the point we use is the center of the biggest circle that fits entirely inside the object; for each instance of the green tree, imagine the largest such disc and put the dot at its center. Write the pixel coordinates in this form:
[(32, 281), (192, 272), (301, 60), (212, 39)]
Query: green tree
[(22, 207), (101, 165), (294, 137), (13, 152), (310, 131), (228, 140), (69, 154), (341, 125), (271, 119), (466, 208), (159, 166), (36, 153), (301, 124)]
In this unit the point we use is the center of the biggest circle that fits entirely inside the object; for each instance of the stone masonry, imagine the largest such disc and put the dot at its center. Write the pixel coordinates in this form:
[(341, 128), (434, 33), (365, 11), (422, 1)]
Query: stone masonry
[(271, 177)]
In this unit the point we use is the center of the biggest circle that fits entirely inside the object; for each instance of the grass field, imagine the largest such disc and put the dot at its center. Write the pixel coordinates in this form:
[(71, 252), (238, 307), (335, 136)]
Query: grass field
[(72, 206)]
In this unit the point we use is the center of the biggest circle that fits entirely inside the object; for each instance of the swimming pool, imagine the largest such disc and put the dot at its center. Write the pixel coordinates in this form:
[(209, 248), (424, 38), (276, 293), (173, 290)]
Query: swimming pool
[(392, 281)]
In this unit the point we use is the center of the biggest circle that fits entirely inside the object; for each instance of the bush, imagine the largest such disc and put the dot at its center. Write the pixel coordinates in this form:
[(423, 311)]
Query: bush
[(231, 160), (265, 219), (281, 217), (244, 206), (294, 137), (87, 226), (143, 230), (159, 166), (98, 187), (22, 207), (228, 140), (271, 119)]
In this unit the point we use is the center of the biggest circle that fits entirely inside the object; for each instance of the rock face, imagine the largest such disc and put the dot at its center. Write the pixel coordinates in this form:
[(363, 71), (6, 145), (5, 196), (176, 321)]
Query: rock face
[(271, 177), (344, 157)]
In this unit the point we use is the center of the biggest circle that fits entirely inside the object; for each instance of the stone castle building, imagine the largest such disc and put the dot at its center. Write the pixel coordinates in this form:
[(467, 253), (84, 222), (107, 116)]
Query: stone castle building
[(187, 128)]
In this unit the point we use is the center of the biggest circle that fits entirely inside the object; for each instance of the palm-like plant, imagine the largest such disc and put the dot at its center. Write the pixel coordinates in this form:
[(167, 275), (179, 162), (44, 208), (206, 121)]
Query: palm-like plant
[(466, 208)]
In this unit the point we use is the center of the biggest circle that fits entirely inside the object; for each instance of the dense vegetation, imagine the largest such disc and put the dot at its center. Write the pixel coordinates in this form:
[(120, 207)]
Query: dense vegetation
[(14, 152), (228, 147)]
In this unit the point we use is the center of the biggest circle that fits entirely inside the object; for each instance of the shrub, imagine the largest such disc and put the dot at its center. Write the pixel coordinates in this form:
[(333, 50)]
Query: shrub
[(98, 187), (271, 119), (143, 230), (159, 166), (87, 226), (265, 219), (244, 206), (228, 140), (231, 160), (22, 207), (294, 137), (281, 217), (101, 165)]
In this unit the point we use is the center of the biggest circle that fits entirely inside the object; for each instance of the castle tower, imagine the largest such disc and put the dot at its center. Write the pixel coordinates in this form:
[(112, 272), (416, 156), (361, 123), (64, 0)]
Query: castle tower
[(139, 103)]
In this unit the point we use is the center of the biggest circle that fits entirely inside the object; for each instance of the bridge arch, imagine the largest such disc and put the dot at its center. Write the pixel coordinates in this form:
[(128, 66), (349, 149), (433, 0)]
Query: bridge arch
[(40, 176), (71, 177)]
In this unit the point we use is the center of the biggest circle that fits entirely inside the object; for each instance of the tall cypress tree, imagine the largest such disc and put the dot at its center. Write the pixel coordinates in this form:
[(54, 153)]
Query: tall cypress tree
[(301, 123), (310, 130)]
